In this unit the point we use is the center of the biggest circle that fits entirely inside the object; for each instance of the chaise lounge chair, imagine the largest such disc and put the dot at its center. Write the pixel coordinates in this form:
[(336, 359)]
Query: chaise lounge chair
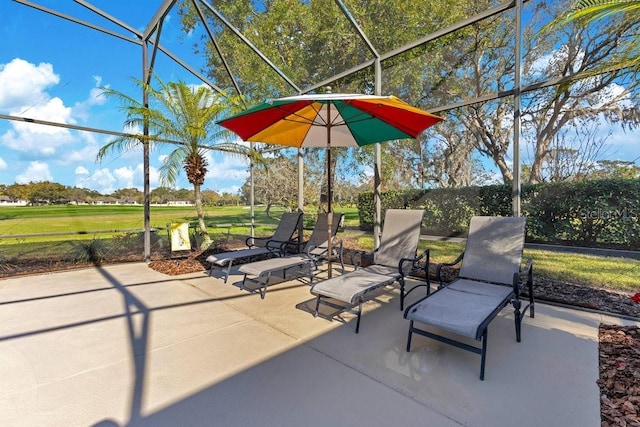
[(489, 279), (392, 261), (260, 246), (316, 247), (312, 251)]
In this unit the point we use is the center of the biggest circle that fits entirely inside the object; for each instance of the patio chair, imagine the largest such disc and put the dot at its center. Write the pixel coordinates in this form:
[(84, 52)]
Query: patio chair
[(316, 247), (490, 278), (260, 246), (312, 251), (392, 261)]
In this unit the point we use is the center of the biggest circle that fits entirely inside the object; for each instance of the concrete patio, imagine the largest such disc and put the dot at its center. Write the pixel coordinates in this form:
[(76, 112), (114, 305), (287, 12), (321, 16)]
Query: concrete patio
[(126, 345)]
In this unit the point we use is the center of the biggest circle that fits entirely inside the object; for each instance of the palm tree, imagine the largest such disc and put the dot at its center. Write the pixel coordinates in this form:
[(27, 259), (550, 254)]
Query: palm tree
[(585, 12), (184, 116)]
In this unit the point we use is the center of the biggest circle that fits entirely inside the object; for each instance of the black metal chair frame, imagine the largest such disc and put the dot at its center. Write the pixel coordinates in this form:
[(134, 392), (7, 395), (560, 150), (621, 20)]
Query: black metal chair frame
[(481, 334), (400, 280)]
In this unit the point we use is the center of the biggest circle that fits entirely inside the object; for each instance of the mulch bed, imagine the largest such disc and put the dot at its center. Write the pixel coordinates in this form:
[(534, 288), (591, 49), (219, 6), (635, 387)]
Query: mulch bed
[(619, 375), (619, 346)]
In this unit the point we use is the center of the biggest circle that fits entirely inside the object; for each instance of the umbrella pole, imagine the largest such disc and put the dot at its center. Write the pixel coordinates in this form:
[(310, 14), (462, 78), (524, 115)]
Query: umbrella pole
[(329, 195)]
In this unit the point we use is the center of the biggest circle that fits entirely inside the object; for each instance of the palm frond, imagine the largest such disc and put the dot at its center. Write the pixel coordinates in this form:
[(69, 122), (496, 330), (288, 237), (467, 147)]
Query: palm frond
[(171, 166), (120, 144)]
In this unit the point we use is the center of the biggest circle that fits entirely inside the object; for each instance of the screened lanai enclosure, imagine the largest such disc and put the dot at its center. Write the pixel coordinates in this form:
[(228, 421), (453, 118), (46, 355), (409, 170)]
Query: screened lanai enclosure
[(522, 102)]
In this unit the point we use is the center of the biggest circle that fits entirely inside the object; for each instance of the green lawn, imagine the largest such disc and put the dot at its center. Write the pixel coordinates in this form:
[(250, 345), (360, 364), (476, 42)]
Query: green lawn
[(231, 222)]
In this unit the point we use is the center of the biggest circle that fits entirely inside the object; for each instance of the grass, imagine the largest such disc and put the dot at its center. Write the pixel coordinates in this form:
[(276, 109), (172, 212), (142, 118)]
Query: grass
[(230, 222)]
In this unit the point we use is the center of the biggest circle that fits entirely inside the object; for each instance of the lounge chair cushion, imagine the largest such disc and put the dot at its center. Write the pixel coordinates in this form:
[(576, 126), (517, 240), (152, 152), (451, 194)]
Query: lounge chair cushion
[(273, 264), (224, 258), (460, 309), (480, 288), (383, 270), (400, 236), (350, 287), (494, 249)]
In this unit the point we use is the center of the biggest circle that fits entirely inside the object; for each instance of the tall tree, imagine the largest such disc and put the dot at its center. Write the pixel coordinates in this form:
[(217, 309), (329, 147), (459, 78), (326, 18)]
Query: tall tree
[(625, 12), (185, 115), (607, 97), (313, 40)]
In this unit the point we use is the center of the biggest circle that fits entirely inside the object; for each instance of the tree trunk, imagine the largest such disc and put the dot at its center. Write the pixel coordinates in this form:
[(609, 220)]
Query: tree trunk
[(206, 239)]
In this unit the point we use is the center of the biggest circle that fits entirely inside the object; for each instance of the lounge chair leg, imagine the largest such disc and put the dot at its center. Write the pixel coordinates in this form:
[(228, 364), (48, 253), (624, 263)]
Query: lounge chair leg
[(484, 354), (263, 286), (409, 337), (315, 314), (226, 277), (531, 300), (310, 272), (517, 317), (359, 315)]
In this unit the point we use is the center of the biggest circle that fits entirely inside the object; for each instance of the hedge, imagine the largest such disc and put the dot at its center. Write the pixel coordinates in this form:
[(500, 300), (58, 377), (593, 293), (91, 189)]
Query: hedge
[(599, 213)]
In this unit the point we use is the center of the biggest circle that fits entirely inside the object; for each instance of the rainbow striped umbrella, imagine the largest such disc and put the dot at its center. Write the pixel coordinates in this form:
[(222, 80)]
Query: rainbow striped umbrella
[(330, 120)]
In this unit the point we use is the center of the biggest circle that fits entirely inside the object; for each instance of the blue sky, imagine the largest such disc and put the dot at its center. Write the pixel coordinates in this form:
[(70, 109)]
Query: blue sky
[(51, 69)]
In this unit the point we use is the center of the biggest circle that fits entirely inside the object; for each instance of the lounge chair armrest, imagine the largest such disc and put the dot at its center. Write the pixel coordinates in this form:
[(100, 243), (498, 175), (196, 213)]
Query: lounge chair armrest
[(321, 250), (446, 264), (358, 262), (271, 244), (525, 276), (277, 246), (413, 261), (255, 243)]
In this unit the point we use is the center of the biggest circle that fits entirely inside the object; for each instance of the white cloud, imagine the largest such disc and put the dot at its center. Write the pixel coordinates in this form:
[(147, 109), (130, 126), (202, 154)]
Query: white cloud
[(23, 92), (40, 140), (125, 176), (80, 155), (101, 180), (3, 164), (22, 84), (106, 181), (36, 172), (96, 98), (225, 169)]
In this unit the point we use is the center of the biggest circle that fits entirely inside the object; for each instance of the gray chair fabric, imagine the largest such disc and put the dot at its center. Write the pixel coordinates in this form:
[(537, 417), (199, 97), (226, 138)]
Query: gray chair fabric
[(314, 249), (400, 236), (288, 225), (487, 282), (494, 249), (399, 242), (261, 246)]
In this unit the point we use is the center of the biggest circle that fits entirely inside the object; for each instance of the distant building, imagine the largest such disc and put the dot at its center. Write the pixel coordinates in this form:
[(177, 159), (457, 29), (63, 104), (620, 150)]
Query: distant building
[(179, 203), (7, 201)]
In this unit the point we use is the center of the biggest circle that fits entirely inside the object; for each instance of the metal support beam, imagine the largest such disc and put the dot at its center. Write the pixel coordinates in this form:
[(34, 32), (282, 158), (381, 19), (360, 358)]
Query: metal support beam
[(377, 178), (251, 46), (515, 195), (145, 160), (157, 18), (78, 21), (216, 46)]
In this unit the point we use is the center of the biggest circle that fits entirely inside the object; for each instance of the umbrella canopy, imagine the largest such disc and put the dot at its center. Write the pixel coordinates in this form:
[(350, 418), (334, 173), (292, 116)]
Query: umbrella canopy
[(337, 120), (330, 120)]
